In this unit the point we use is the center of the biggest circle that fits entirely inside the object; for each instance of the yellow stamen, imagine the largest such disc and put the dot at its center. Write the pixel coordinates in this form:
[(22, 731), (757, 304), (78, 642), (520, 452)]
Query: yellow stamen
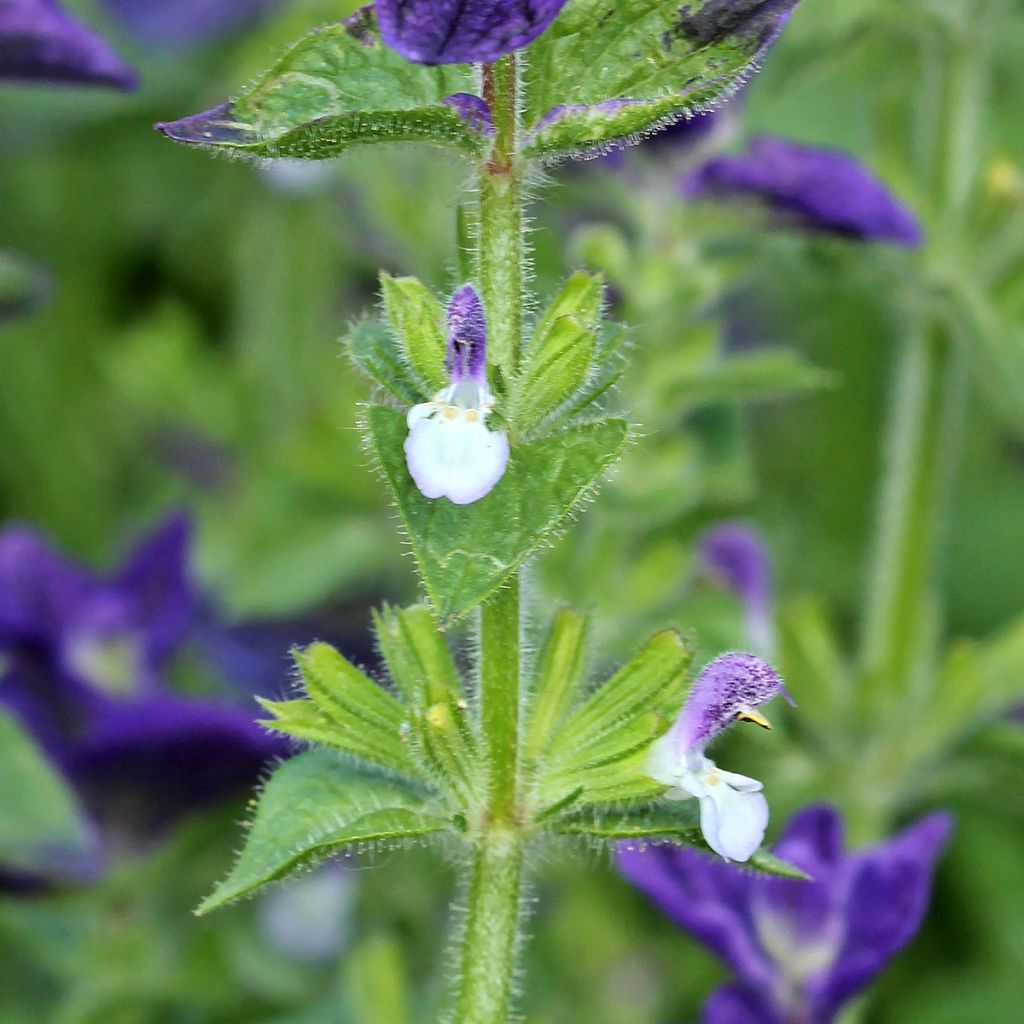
[(753, 716), (450, 412)]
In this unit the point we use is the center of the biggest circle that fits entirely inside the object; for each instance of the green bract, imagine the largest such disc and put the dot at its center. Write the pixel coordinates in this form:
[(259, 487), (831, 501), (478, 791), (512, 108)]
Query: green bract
[(465, 553), (392, 766), (608, 70)]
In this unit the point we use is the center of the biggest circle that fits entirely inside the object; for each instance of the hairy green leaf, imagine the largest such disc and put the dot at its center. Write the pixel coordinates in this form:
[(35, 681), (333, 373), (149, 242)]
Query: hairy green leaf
[(559, 674), (376, 353), (346, 710), (558, 363), (607, 70), (605, 742), (313, 806), (417, 317), (338, 87), (465, 553), (417, 655), (678, 824)]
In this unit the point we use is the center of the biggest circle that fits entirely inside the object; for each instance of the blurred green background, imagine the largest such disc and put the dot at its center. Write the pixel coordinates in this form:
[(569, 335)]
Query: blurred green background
[(188, 355)]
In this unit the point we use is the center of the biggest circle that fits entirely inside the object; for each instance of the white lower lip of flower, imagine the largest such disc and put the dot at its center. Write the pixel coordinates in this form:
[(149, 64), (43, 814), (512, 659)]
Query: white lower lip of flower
[(451, 453), (733, 811)]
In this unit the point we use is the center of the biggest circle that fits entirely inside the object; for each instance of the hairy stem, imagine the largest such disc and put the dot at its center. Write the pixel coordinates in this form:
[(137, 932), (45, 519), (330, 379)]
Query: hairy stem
[(501, 250), (491, 936)]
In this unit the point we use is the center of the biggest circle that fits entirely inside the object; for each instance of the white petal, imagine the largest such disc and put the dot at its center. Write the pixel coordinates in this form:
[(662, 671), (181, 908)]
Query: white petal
[(733, 821), (455, 457), (420, 412), (744, 783)]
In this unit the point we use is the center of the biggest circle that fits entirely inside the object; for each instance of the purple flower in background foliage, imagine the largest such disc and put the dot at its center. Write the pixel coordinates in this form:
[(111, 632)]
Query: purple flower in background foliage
[(462, 31), (800, 950), (733, 811), (84, 658), (821, 190), (736, 556), (449, 451), (178, 24), (41, 42)]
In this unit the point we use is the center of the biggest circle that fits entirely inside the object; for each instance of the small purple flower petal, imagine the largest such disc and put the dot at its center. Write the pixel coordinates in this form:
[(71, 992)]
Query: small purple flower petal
[(730, 685), (180, 24), (41, 42), (473, 110), (466, 359), (736, 555), (821, 190), (462, 31)]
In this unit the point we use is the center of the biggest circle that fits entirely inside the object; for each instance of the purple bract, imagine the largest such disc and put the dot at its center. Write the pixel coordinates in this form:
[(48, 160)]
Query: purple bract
[(462, 31)]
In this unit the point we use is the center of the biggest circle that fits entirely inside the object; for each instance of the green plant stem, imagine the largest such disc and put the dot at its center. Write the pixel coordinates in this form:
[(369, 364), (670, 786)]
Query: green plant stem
[(492, 929), (926, 419), (494, 905), (501, 248)]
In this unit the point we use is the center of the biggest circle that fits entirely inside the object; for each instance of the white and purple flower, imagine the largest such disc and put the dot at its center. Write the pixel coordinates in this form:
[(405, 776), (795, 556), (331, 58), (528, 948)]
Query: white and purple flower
[(801, 950), (733, 810), (450, 451)]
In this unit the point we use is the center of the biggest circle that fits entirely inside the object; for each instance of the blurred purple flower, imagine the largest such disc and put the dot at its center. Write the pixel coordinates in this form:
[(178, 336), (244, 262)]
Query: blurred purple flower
[(800, 950), (41, 42), (179, 24), (84, 658), (462, 31), (821, 190), (735, 555), (733, 810)]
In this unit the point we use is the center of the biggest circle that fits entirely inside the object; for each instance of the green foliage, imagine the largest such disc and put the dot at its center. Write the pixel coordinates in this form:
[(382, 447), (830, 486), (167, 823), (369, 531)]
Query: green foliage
[(559, 673), (338, 87), (603, 745), (465, 553), (346, 709), (648, 62), (561, 355), (41, 826), (377, 353), (316, 805), (417, 318)]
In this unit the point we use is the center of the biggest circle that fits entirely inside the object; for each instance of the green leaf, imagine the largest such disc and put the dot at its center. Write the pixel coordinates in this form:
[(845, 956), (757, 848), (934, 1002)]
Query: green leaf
[(581, 297), (606, 740), (346, 710), (42, 828), (465, 553), (377, 978), (314, 806), (417, 656), (422, 667), (338, 87), (606, 70), (678, 824), (417, 318), (558, 363), (559, 675), (375, 352)]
